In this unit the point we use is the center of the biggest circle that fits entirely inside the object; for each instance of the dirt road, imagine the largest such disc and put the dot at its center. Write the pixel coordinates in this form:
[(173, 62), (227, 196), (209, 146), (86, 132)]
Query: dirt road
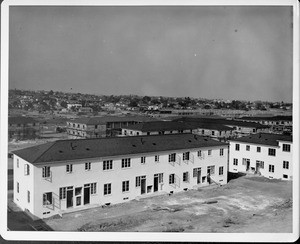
[(246, 204)]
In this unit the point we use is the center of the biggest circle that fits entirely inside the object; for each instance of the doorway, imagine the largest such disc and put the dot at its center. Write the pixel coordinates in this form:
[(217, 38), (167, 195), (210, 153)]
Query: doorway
[(143, 186), (86, 197), (155, 185), (247, 165), (199, 176), (69, 198)]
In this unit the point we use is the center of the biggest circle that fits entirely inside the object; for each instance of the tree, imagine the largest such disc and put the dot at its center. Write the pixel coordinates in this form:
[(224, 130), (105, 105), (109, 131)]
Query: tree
[(64, 104), (133, 103)]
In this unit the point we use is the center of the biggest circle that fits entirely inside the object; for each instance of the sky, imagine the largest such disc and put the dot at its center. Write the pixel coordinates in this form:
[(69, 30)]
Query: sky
[(237, 52)]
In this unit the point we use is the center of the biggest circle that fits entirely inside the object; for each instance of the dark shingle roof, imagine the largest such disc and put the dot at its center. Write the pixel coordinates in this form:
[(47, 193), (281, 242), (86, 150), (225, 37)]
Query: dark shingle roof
[(173, 125), (160, 126), (273, 118), (106, 119), (223, 122), (62, 150), (264, 139), (21, 120)]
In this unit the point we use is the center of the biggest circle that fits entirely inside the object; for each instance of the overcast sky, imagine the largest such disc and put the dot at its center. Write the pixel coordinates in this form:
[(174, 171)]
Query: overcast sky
[(209, 52)]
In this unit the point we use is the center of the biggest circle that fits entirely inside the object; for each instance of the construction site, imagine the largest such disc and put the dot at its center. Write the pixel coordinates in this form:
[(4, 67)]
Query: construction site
[(247, 204)]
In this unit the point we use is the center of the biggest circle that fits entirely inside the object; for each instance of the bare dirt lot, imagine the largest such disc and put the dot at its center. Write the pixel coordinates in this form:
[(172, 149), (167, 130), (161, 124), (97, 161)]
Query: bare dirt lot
[(246, 204)]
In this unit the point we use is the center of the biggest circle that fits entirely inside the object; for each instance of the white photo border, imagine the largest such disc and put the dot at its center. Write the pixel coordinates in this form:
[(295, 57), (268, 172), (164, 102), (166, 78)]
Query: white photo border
[(125, 236)]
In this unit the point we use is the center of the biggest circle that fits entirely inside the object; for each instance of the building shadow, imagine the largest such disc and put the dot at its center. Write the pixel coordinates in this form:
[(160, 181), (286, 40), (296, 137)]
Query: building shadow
[(232, 176)]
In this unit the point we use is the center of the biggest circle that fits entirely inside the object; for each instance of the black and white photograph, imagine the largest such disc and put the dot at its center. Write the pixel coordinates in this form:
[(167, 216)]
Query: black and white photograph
[(150, 121)]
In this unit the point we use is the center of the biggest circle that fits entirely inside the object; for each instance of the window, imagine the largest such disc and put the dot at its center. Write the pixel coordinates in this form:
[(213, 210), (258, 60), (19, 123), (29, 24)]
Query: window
[(18, 165), (185, 177), (258, 149), (93, 188), (138, 180), (247, 147), (125, 186), (46, 172), (221, 170), (126, 163), (285, 176), (186, 156), (272, 152), (261, 164), (62, 193), (212, 133), (107, 189), (195, 172), (221, 152), (171, 178), (235, 161), (18, 187), (69, 168), (156, 158), (286, 164), (172, 157), (107, 164), (237, 147), (210, 170), (202, 132), (271, 168), (26, 169), (47, 198), (209, 152), (88, 166), (199, 153), (143, 160), (286, 147), (28, 196)]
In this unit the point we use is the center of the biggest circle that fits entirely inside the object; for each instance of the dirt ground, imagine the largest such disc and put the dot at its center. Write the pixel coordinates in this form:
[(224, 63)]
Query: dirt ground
[(246, 204)]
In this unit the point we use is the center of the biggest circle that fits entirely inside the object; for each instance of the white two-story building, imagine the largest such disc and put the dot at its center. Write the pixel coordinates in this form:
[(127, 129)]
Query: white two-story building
[(69, 175), (267, 154)]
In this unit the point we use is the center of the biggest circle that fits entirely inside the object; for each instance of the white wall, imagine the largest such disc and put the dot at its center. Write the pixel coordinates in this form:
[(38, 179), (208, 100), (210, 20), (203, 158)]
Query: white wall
[(264, 156), (25, 184), (79, 177)]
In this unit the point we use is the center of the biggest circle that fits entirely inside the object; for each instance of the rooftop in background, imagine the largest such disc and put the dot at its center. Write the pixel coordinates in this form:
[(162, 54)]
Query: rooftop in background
[(222, 122), (264, 139), (172, 125), (107, 119), (272, 118), (21, 120), (63, 150)]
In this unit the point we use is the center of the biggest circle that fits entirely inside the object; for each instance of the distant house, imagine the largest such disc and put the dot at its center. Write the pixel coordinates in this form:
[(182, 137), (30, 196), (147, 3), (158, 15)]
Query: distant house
[(74, 105), (170, 127), (22, 128), (239, 128), (277, 123), (156, 128), (267, 154), (85, 110), (96, 127)]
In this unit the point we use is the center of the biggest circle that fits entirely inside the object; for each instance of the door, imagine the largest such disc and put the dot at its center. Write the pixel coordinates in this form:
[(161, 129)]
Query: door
[(257, 167), (198, 176), (143, 186), (248, 166), (69, 198), (155, 186), (86, 198)]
